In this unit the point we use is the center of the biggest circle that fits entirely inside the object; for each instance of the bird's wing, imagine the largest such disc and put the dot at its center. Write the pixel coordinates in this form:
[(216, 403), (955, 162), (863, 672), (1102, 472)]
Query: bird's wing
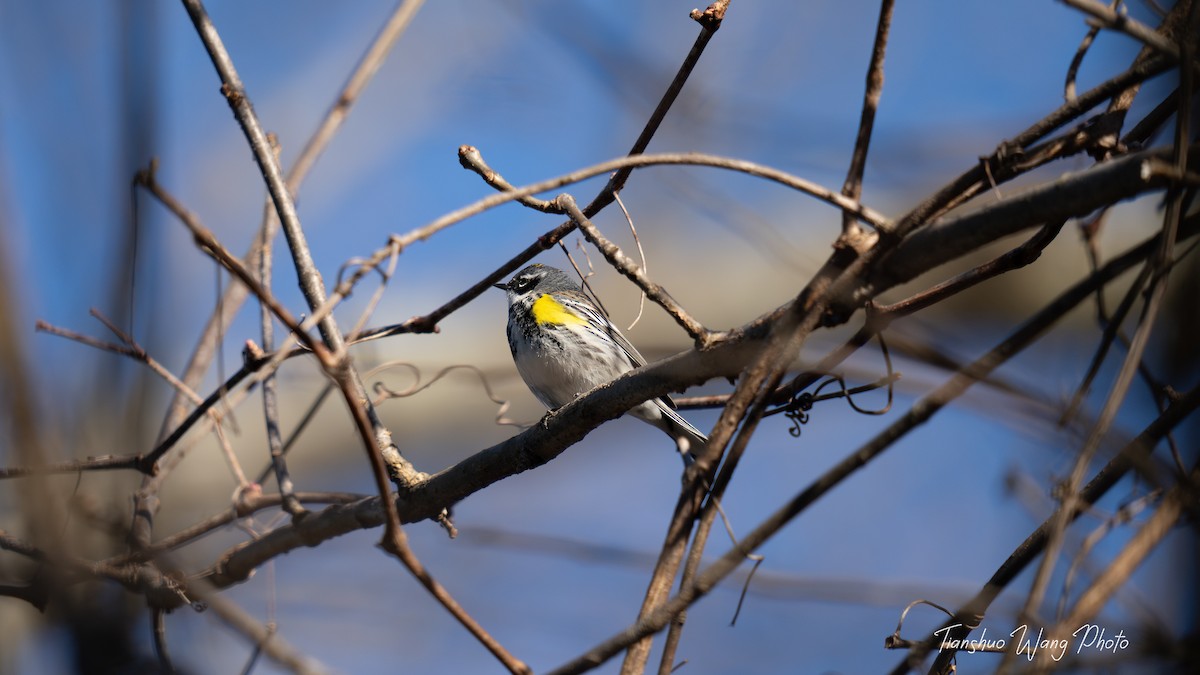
[(600, 325)]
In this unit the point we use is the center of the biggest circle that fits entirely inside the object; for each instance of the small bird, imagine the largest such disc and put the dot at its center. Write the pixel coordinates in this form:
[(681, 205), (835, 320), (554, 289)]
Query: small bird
[(563, 345)]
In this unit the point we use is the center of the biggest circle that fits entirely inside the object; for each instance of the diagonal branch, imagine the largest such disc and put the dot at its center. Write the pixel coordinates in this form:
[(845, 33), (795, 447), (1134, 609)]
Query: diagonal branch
[(1005, 162), (544, 442), (862, 143), (1073, 195), (969, 616), (921, 412), (364, 71), (473, 160), (710, 22), (630, 269), (1147, 537), (243, 111), (1161, 266), (376, 438), (235, 294)]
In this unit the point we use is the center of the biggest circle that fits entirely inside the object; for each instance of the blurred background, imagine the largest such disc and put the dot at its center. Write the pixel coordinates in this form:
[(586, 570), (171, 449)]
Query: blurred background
[(554, 560)]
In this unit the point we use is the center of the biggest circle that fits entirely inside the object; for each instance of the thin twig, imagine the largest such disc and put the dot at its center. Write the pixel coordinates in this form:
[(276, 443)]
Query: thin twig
[(389, 252), (243, 111), (650, 622), (1112, 328), (472, 159), (249, 506), (209, 244), (159, 631), (364, 71), (270, 398), (852, 188), (99, 463), (376, 297), (1110, 18), (641, 256), (235, 466), (146, 502), (1161, 265), (710, 22), (716, 491), (1077, 60), (428, 323), (135, 351), (969, 616), (630, 269), (1146, 127), (1010, 153), (584, 278), (311, 284), (1025, 254), (264, 637), (395, 541), (1123, 516), (248, 369), (658, 589), (310, 414), (1107, 323), (1145, 540)]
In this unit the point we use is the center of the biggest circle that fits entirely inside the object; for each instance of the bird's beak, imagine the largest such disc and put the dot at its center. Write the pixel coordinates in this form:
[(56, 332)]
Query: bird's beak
[(500, 286)]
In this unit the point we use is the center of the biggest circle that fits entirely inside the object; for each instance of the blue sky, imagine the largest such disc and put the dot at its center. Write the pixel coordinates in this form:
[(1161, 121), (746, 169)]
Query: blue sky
[(91, 91)]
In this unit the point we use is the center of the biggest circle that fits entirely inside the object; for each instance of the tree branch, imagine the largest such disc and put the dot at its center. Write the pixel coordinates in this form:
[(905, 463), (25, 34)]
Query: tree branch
[(852, 188), (1073, 195)]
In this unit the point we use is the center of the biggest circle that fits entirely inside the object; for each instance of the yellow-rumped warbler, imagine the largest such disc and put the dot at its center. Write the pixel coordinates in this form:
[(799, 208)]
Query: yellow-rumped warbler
[(563, 345)]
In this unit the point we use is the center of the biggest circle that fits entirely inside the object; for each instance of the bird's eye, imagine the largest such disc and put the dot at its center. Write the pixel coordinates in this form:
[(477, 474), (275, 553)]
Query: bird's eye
[(523, 284)]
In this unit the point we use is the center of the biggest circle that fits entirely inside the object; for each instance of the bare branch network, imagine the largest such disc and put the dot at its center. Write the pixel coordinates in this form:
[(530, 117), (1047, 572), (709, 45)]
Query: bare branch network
[(752, 367)]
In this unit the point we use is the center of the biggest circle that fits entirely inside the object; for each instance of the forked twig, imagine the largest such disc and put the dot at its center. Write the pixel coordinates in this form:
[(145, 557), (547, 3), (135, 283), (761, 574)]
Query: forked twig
[(1110, 18), (145, 499)]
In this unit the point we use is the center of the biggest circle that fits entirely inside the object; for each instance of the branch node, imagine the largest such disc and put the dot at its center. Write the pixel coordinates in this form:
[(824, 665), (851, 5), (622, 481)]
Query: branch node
[(232, 95), (712, 16)]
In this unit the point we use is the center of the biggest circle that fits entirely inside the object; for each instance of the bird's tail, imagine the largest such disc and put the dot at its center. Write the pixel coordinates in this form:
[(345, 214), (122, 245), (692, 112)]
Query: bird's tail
[(688, 438)]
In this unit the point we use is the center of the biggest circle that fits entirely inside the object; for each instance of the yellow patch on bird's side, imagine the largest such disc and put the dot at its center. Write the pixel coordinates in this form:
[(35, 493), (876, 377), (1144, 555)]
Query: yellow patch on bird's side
[(548, 310)]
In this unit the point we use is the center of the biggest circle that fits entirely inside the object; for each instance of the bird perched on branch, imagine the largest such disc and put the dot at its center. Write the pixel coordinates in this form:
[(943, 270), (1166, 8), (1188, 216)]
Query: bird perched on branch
[(564, 345)]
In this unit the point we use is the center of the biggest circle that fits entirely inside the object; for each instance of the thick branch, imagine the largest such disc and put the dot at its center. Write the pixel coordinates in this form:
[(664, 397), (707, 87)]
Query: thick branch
[(1073, 195), (726, 356)]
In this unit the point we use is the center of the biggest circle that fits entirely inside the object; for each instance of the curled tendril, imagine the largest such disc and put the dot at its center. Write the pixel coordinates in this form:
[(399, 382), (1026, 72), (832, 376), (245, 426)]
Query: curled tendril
[(797, 411), (384, 392), (797, 408)]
